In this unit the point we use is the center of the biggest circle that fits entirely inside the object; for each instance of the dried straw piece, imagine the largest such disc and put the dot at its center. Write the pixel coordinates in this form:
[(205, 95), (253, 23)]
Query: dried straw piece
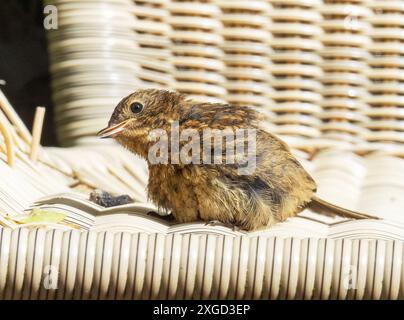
[(5, 131), (14, 118), (37, 132)]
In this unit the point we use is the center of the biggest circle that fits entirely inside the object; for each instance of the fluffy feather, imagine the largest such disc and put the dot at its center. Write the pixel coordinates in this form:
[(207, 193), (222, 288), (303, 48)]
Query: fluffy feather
[(278, 188)]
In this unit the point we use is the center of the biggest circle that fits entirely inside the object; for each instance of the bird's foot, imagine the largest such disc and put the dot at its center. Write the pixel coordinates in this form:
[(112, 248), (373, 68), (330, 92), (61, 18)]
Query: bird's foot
[(220, 223), (167, 218)]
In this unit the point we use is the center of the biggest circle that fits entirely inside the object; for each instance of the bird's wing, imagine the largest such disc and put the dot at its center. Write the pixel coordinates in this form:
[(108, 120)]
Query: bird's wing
[(218, 116), (277, 179)]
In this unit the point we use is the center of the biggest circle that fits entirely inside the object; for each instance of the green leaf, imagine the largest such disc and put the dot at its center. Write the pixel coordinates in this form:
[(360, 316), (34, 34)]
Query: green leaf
[(38, 215)]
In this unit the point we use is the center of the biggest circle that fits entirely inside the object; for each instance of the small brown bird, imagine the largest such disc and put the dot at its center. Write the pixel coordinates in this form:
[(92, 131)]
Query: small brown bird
[(278, 187)]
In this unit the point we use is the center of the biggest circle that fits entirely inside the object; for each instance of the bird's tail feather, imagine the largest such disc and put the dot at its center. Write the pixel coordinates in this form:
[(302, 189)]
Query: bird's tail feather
[(322, 206)]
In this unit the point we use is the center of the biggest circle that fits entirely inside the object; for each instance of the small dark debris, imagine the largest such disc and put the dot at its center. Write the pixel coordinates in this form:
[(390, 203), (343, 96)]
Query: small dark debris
[(105, 199)]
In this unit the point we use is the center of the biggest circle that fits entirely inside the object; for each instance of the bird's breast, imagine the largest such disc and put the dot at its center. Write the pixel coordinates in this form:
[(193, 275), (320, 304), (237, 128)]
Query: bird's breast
[(172, 187)]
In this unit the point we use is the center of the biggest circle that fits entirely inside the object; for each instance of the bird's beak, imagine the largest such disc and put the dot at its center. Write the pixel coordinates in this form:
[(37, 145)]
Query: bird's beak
[(113, 130)]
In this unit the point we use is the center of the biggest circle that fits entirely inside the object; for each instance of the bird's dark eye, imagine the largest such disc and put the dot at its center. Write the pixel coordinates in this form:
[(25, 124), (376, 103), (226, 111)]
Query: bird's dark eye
[(136, 107)]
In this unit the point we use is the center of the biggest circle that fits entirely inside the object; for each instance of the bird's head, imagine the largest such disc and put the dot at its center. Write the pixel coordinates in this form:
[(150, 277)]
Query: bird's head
[(139, 113)]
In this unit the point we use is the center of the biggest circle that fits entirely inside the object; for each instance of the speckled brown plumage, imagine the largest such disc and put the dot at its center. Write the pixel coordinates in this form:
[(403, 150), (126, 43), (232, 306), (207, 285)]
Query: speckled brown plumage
[(278, 188)]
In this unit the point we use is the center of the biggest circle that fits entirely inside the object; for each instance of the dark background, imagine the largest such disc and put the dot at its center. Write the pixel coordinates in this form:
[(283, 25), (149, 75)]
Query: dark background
[(24, 62)]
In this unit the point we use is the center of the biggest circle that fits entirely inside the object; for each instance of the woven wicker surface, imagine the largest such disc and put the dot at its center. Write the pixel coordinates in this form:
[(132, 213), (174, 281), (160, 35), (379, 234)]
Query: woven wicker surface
[(327, 72), (140, 266), (115, 261), (328, 75)]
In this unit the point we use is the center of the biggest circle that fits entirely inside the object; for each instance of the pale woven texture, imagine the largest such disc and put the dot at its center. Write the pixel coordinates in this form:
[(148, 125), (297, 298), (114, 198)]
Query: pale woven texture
[(328, 72), (59, 263), (104, 265)]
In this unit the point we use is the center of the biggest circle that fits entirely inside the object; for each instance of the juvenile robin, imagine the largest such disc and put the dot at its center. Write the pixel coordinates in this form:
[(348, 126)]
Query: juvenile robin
[(274, 188)]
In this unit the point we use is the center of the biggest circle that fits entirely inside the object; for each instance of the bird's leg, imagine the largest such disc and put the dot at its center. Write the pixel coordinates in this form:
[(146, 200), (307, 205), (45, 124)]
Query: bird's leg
[(225, 224)]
